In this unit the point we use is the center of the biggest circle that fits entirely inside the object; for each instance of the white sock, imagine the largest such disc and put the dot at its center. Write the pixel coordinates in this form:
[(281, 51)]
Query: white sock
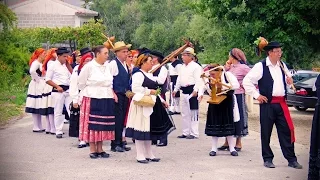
[(48, 128), (82, 143), (231, 142), (35, 118), (140, 150), (148, 152), (214, 143)]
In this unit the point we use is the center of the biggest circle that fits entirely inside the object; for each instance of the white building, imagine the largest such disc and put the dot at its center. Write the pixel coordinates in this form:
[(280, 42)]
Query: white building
[(50, 13)]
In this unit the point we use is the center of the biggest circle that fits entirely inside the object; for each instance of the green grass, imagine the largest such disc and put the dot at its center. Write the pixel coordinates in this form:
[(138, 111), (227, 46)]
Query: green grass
[(12, 103)]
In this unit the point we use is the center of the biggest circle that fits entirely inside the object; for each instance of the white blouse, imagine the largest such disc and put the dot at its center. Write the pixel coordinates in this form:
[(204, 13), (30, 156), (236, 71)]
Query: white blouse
[(162, 76), (33, 70), (74, 89), (95, 80)]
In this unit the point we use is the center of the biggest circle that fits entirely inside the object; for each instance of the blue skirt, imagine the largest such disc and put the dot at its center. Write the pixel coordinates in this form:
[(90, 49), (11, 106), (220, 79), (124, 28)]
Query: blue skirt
[(101, 115)]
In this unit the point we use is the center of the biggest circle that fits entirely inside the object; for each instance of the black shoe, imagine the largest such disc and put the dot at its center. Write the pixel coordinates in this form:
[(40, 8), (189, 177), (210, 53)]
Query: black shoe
[(234, 153), (124, 143), (177, 113), (237, 149), (182, 136), (53, 133), (82, 145), (191, 137), (93, 155), (37, 131), (171, 113), (117, 149), (222, 148), (143, 161), (59, 136), (133, 140), (162, 144), (103, 154), (212, 153), (47, 132), (295, 165), (269, 164), (153, 160), (154, 142), (126, 148)]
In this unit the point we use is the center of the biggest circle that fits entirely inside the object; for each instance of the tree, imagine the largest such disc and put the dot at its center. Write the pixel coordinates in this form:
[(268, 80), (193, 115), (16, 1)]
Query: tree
[(7, 17), (295, 23)]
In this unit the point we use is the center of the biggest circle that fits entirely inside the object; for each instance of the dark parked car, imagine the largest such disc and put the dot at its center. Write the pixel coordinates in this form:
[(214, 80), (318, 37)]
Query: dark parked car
[(305, 97)]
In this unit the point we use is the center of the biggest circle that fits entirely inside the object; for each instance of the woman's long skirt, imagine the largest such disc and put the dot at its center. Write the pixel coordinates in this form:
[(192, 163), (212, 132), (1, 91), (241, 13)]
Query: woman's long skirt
[(34, 96), (241, 127), (314, 160), (220, 122), (97, 120), (47, 102), (152, 127)]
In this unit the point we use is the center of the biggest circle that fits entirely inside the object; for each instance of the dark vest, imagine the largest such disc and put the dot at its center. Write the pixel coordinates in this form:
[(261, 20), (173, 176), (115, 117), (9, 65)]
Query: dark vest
[(121, 81), (266, 82), (162, 86), (148, 83)]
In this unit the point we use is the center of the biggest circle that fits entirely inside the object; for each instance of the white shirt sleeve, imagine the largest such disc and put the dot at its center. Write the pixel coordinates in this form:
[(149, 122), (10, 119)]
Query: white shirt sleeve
[(233, 81), (49, 74), (286, 70), (83, 76), (178, 84), (251, 79), (162, 76), (73, 89), (137, 81), (33, 71), (113, 67), (199, 85)]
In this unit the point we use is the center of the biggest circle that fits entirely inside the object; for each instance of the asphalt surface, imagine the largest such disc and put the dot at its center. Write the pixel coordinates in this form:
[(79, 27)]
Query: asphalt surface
[(26, 155)]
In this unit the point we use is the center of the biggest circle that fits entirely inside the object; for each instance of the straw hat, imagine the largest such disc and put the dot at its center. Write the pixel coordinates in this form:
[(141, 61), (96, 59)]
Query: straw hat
[(120, 45), (189, 50)]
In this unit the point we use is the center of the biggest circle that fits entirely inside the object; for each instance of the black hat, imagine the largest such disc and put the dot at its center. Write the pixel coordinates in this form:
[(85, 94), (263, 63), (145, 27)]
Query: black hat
[(271, 45), (62, 50), (157, 54), (144, 51), (84, 51)]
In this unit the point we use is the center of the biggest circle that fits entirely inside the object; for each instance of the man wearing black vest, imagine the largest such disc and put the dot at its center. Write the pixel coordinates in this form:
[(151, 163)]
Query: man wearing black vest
[(272, 83), (174, 69), (121, 76)]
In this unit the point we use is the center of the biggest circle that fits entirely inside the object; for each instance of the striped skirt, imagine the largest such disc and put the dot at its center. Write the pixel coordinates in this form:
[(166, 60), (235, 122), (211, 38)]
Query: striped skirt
[(97, 120), (34, 96), (47, 102)]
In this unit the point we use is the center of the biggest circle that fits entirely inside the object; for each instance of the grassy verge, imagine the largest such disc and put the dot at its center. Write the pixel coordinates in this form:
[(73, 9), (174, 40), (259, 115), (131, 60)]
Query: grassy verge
[(12, 103)]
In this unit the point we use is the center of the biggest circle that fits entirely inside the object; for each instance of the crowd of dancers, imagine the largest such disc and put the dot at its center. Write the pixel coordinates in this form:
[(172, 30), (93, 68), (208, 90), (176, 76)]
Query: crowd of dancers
[(94, 90)]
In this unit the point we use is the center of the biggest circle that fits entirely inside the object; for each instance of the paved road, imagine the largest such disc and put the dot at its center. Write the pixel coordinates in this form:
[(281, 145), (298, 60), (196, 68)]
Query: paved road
[(25, 155)]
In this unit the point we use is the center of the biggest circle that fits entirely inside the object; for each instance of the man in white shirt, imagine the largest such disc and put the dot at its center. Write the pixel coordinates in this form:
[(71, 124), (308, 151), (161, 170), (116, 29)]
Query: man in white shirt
[(272, 82), (174, 69), (121, 77), (190, 83), (58, 76)]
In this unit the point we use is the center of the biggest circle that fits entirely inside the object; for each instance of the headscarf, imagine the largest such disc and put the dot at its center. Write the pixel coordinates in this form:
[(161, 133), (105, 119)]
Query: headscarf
[(238, 55), (36, 55), (83, 58), (141, 59), (48, 57)]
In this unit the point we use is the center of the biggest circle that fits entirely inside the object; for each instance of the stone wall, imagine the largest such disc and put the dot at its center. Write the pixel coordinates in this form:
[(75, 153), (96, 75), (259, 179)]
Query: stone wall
[(45, 20)]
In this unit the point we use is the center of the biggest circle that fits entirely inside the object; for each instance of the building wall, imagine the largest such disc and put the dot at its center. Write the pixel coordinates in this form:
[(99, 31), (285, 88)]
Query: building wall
[(45, 20)]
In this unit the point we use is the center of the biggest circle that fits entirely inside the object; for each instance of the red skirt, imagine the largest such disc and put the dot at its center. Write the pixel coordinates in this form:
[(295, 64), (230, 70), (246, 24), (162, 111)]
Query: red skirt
[(90, 135)]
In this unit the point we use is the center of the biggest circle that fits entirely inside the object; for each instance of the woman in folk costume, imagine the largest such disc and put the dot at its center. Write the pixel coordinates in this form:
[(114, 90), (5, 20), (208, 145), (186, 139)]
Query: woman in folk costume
[(221, 117), (236, 64), (97, 106), (146, 123), (161, 75), (314, 160), (86, 56), (35, 89), (47, 101)]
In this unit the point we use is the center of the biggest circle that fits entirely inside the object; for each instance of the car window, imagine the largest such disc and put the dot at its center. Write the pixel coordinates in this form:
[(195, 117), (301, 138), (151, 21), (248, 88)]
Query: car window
[(300, 76), (309, 81)]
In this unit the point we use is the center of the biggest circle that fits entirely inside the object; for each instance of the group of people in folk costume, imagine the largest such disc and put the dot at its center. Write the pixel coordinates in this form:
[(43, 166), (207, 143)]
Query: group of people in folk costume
[(95, 89)]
